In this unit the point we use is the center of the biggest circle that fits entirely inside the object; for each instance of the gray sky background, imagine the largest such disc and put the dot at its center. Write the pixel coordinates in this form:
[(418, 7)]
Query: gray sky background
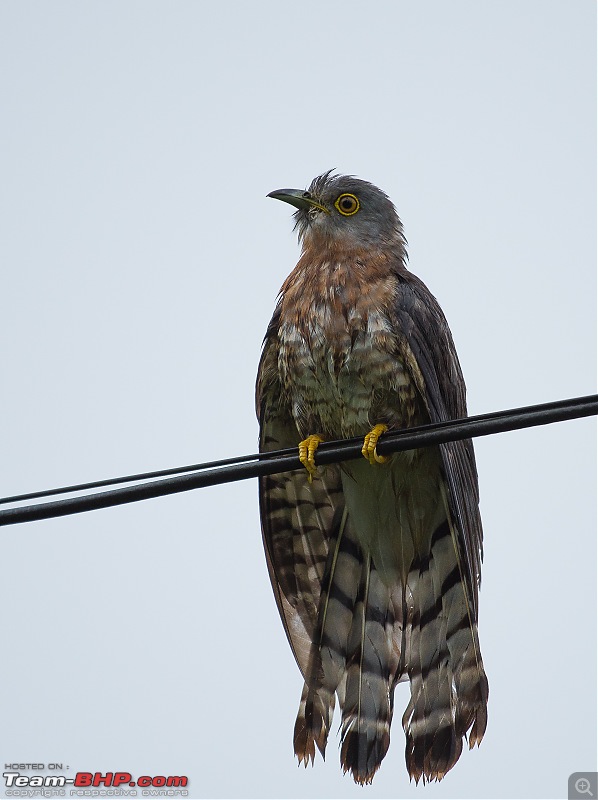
[(140, 265)]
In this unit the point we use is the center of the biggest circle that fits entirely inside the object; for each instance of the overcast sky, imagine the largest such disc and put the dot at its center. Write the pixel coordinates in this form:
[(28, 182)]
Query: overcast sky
[(141, 260)]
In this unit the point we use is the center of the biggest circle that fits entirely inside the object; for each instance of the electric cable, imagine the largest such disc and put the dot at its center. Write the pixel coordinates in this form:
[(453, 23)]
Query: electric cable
[(260, 464)]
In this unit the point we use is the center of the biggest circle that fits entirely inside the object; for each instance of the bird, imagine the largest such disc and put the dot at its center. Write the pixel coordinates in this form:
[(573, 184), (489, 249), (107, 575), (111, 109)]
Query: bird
[(375, 563)]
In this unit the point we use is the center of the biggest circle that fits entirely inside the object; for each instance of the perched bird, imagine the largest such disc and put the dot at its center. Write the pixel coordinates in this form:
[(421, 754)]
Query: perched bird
[(375, 564)]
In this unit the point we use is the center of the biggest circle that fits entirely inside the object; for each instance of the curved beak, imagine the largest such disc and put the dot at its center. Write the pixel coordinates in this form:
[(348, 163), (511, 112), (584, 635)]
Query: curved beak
[(297, 198)]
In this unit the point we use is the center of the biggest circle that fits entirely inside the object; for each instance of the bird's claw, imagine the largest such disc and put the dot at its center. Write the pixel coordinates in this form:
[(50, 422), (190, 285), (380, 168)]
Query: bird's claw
[(369, 444), (307, 454)]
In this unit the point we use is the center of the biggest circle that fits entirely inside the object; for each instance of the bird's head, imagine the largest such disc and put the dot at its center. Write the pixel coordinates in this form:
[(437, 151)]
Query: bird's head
[(344, 210)]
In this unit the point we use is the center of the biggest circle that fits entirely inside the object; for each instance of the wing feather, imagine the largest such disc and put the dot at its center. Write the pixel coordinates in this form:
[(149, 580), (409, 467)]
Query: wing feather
[(298, 517), (427, 347)]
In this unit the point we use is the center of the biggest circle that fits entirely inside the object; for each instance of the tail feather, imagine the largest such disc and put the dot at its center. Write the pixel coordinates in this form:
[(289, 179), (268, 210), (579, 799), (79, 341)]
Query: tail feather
[(371, 664), (329, 649), (449, 689), (369, 636), (432, 746), (313, 723)]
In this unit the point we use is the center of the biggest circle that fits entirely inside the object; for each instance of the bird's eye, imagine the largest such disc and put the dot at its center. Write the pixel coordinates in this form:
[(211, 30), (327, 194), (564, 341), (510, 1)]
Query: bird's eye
[(347, 204)]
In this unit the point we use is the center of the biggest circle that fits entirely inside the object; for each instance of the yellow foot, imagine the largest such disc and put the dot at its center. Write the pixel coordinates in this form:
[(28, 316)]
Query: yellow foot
[(370, 442), (307, 453)]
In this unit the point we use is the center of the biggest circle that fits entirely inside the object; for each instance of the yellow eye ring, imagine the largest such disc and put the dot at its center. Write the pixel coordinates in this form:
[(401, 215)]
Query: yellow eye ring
[(347, 204)]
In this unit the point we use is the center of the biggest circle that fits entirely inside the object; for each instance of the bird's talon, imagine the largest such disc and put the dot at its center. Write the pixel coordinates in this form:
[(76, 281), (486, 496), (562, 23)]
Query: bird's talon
[(369, 444), (307, 454)]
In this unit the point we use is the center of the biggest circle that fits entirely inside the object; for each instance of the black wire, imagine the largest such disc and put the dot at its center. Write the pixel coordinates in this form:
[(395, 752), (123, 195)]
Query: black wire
[(217, 472), (142, 476)]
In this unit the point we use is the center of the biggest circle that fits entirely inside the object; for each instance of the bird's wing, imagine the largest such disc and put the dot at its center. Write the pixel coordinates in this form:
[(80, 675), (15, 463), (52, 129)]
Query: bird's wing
[(427, 347), (299, 519)]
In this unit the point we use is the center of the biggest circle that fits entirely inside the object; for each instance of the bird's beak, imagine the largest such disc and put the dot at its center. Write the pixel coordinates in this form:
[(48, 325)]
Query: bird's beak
[(297, 198)]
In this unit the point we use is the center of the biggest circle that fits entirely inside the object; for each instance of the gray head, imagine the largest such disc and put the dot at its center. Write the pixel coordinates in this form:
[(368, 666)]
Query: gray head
[(344, 210)]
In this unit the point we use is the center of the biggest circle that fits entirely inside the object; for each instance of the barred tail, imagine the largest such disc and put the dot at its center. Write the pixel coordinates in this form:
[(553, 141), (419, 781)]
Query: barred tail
[(353, 657), (328, 654), (449, 689), (369, 635), (364, 694)]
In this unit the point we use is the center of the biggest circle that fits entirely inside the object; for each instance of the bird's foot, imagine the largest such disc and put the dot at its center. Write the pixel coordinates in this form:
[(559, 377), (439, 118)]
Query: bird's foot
[(369, 444), (307, 453)]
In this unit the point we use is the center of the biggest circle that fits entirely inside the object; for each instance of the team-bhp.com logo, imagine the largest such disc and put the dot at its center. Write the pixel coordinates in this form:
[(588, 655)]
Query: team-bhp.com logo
[(87, 784)]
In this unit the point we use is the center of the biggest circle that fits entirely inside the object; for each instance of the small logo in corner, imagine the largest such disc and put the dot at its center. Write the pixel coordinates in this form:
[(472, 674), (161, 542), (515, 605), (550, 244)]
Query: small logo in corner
[(583, 785)]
